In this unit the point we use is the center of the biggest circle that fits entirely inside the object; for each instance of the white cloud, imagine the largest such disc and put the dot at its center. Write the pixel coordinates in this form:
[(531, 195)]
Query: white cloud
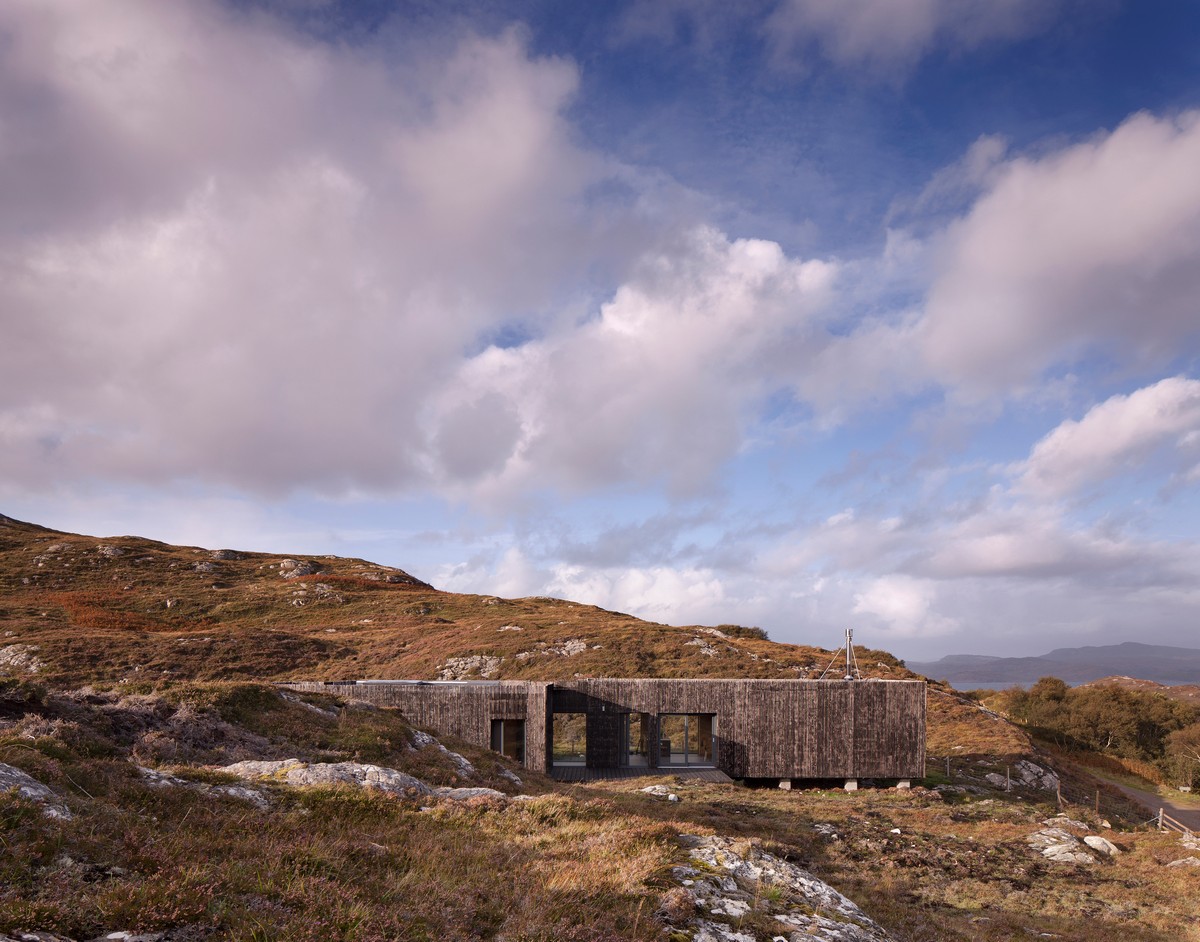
[(1094, 248), (904, 605), (234, 254), (1033, 543), (896, 33), (1120, 434), (661, 385)]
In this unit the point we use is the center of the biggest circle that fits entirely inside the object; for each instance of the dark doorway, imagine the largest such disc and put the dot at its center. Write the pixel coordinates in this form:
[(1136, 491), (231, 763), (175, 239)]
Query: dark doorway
[(508, 738)]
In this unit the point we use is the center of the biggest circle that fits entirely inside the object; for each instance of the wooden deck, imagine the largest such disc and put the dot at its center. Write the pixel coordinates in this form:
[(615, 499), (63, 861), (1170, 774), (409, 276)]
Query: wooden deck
[(577, 773)]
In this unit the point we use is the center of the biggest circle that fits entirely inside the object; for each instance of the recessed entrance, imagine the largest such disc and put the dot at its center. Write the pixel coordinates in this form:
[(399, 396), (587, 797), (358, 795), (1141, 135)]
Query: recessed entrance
[(508, 737), (685, 739), (570, 739)]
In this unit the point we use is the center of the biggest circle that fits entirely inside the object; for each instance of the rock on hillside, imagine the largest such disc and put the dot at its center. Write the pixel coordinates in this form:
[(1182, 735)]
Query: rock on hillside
[(729, 879)]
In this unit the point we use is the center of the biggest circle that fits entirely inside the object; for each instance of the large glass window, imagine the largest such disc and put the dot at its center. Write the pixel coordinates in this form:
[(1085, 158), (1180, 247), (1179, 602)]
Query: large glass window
[(685, 739), (570, 739), (635, 739), (508, 737)]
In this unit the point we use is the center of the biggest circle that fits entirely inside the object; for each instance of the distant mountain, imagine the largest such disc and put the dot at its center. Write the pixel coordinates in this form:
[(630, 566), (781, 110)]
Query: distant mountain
[(1156, 662)]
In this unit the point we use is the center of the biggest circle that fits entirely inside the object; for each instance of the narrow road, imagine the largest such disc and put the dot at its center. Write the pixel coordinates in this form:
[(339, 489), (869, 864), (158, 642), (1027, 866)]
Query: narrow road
[(1187, 816)]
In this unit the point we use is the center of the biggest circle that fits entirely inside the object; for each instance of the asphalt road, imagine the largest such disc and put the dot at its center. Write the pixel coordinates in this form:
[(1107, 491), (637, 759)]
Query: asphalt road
[(1188, 816)]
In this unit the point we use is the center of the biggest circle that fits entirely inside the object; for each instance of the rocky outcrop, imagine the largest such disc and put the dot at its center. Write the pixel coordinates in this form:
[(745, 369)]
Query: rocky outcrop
[(422, 740), (29, 788), (295, 772), (473, 665), (20, 659), (1025, 774), (727, 879), (389, 781), (568, 648), (156, 779), (1055, 842), (294, 569)]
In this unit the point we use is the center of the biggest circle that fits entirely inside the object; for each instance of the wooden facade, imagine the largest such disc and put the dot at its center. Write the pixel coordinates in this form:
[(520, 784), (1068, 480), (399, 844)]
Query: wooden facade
[(783, 729)]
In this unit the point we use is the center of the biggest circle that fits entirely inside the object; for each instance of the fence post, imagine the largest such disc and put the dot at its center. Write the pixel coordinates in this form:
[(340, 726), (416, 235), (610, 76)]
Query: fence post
[(1161, 826), (1097, 802), (1058, 795)]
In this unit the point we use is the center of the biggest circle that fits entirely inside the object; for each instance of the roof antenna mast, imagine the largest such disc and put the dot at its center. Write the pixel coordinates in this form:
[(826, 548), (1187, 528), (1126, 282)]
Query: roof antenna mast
[(852, 671)]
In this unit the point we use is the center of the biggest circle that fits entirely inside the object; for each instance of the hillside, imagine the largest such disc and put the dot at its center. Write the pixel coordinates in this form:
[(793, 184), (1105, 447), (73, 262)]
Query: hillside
[(153, 787), (128, 609), (1159, 663), (1187, 693)]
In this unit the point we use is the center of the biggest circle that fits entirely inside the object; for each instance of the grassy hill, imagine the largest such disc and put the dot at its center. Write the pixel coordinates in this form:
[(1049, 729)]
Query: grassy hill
[(135, 689), (126, 609)]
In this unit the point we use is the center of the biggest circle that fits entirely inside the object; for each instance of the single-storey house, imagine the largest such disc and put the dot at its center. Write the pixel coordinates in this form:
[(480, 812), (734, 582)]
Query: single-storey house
[(749, 729)]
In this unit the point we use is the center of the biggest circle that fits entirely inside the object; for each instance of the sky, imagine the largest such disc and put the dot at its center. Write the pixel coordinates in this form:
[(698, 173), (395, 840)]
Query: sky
[(803, 314)]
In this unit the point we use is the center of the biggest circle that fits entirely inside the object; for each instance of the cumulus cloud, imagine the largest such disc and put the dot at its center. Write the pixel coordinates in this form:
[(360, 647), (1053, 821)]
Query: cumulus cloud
[(233, 253), (896, 33), (1094, 248), (1120, 434), (662, 384), (904, 605)]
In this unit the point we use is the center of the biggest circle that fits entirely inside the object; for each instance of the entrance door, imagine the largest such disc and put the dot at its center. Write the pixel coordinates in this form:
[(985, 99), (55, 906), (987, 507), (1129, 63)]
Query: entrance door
[(508, 738)]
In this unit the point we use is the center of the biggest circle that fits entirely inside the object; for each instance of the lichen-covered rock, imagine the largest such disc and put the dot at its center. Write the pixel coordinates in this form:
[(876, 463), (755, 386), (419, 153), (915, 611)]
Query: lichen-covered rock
[(421, 740), (294, 569), (1061, 846), (729, 880), (20, 659), (1032, 775), (156, 779), (31, 789), (473, 665), (462, 794), (295, 772)]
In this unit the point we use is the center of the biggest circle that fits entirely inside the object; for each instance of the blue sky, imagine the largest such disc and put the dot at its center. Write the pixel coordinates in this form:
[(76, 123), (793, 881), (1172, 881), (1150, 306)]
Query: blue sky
[(796, 313)]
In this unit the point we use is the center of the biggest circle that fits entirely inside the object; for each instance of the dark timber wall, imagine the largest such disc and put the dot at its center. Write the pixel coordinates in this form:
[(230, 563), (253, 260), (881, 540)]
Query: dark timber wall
[(798, 729), (465, 710), (770, 728)]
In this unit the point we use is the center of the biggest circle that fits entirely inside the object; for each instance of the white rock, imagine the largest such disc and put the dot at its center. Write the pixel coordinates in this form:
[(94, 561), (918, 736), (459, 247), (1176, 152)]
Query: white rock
[(21, 658), (731, 881), (462, 794), (1185, 862), (295, 772), (31, 789), (460, 668), (1102, 844)]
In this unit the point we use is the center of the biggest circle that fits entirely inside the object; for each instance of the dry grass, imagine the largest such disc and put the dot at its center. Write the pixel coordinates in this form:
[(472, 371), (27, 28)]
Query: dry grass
[(157, 612), (574, 862)]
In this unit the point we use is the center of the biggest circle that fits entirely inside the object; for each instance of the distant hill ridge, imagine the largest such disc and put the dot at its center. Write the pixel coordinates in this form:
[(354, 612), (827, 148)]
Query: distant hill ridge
[(1162, 664)]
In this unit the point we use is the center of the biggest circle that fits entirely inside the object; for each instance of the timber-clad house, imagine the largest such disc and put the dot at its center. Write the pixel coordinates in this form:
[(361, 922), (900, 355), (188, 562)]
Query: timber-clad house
[(748, 729)]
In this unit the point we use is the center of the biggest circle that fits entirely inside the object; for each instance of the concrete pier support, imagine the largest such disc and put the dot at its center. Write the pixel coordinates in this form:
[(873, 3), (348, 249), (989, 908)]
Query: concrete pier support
[(904, 783), (851, 785), (785, 784)]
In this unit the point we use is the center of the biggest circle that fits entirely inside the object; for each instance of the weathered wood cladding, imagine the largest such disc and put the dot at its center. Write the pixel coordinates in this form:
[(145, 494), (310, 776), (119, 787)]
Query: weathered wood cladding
[(769, 728), (462, 710), (797, 729)]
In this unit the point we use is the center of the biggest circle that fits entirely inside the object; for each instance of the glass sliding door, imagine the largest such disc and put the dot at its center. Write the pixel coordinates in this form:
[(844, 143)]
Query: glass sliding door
[(685, 739)]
